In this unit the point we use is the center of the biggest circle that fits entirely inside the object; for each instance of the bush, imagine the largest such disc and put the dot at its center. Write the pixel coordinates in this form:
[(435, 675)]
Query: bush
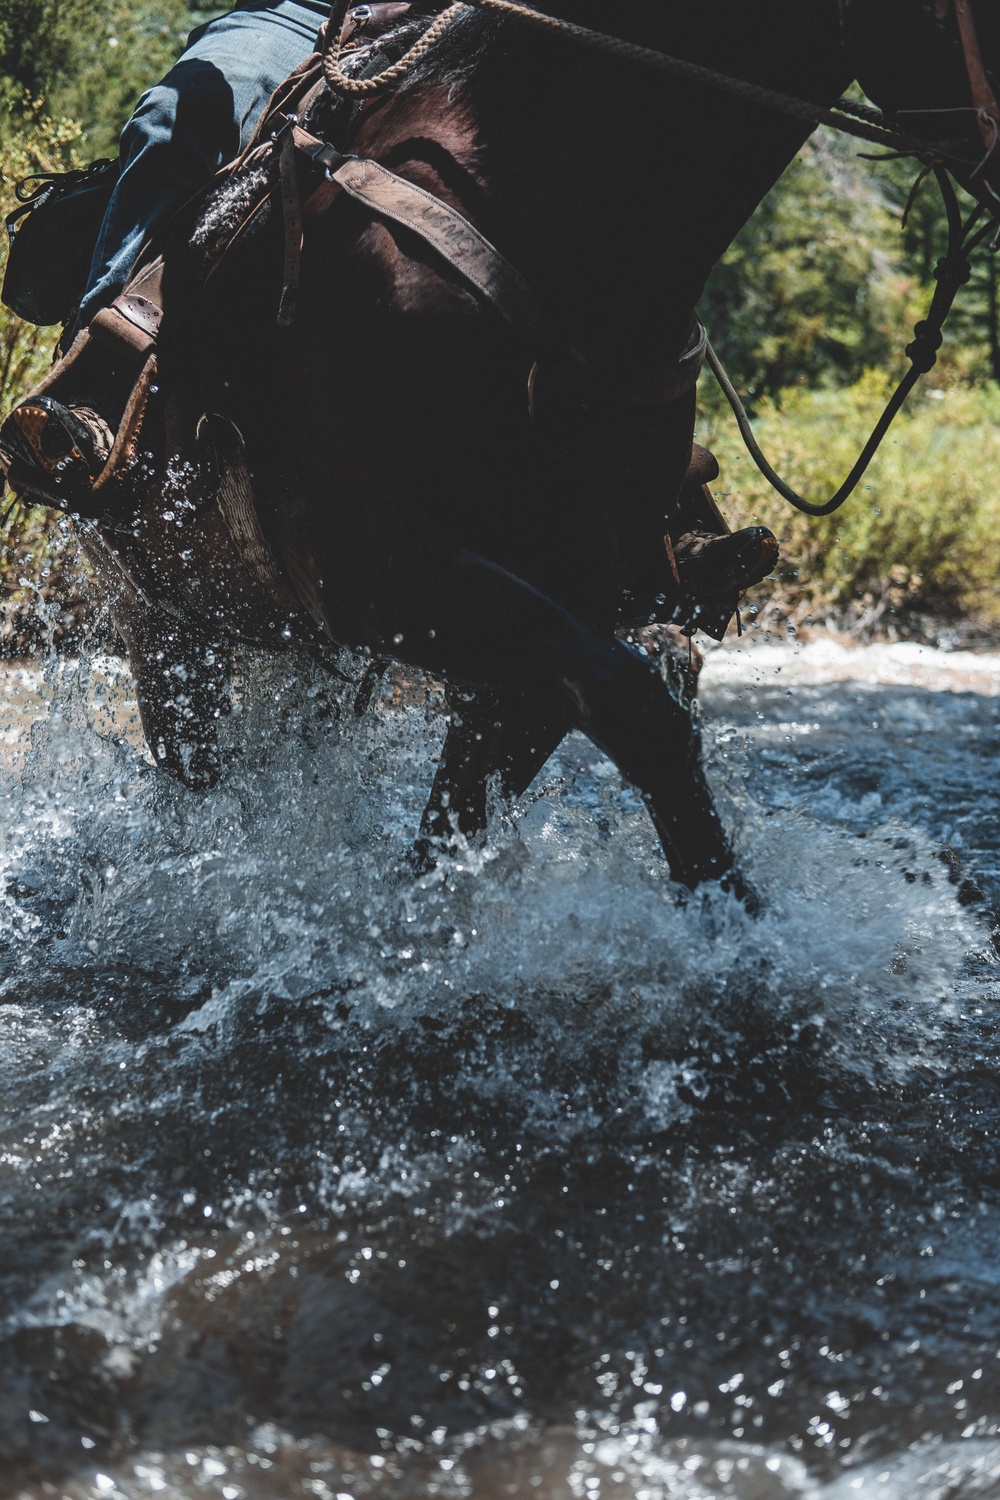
[(39, 557), (919, 535)]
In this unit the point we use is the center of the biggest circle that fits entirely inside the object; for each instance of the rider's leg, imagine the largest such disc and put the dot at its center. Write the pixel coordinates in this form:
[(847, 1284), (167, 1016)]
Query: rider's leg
[(183, 130)]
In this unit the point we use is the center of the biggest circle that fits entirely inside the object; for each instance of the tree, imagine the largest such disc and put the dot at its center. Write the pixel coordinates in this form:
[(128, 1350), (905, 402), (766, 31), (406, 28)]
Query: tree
[(809, 290)]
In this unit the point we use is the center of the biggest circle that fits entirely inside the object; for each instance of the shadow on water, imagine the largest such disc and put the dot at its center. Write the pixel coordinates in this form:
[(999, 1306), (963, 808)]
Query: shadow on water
[(520, 1179)]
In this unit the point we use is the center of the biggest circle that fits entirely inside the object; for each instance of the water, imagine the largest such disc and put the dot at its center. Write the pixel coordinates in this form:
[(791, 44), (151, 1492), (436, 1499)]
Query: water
[(522, 1179)]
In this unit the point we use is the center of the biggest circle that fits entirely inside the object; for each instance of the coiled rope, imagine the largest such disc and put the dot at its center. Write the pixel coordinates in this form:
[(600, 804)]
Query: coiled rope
[(342, 83)]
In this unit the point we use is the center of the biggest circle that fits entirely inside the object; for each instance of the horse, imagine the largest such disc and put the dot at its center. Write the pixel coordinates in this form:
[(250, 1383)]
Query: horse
[(371, 472)]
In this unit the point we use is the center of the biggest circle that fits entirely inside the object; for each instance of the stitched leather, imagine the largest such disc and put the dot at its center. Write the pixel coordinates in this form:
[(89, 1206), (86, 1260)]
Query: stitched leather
[(448, 232), (366, 21)]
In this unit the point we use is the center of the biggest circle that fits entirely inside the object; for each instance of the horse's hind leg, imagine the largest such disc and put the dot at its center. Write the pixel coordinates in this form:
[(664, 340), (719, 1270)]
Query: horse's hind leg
[(488, 735)]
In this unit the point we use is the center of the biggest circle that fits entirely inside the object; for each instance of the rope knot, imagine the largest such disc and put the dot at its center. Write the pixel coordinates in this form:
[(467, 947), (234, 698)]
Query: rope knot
[(922, 353), (954, 270)]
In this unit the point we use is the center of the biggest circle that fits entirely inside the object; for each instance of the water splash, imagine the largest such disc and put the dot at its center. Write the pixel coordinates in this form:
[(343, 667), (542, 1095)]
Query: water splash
[(523, 1168)]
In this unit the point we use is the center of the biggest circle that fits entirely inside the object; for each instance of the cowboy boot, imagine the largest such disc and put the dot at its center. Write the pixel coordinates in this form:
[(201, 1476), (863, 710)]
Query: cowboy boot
[(53, 453), (710, 565)]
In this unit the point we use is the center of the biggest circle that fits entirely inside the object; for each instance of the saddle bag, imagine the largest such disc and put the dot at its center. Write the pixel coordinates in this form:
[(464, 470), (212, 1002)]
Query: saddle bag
[(52, 234)]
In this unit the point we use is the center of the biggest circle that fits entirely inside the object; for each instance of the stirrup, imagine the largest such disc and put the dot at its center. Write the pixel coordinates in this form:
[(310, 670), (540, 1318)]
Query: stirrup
[(63, 453), (54, 453)]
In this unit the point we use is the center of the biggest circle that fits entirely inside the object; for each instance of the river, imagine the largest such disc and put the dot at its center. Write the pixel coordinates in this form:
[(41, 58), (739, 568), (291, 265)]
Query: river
[(522, 1179)]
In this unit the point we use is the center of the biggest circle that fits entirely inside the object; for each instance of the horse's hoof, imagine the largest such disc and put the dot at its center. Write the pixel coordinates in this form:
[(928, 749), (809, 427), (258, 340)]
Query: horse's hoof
[(734, 883), (967, 890)]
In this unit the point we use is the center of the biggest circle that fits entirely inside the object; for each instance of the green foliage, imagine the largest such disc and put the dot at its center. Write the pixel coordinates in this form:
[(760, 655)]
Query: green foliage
[(37, 41), (919, 535), (810, 309), (90, 61), (39, 561), (30, 141), (127, 46), (831, 273), (808, 290)]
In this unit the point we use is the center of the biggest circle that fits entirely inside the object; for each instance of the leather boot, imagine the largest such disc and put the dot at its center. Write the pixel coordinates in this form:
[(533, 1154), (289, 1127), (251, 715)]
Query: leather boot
[(53, 453)]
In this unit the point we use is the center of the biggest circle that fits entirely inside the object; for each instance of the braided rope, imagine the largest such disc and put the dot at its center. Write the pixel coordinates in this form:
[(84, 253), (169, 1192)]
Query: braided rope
[(342, 83), (848, 117), (696, 73)]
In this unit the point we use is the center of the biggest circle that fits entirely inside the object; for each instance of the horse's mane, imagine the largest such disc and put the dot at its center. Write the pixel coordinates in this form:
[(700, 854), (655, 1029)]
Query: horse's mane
[(457, 57)]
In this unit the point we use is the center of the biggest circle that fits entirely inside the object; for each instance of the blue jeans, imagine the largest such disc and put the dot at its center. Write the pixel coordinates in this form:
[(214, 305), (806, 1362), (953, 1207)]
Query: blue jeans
[(184, 129)]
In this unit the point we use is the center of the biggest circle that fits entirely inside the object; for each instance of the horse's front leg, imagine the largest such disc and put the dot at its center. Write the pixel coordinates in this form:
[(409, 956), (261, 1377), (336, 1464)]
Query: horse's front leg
[(482, 625), (489, 735), (182, 686), (182, 676)]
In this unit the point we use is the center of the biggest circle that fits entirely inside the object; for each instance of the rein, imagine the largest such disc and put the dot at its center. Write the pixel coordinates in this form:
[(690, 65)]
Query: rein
[(952, 271), (848, 117)]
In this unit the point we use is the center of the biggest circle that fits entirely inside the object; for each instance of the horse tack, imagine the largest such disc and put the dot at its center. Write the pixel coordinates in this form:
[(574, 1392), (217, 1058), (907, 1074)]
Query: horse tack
[(446, 231), (366, 21), (464, 247), (291, 208), (393, 197), (133, 320), (983, 97)]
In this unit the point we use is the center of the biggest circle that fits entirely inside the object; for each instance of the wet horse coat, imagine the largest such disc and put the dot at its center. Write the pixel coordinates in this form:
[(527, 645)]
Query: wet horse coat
[(410, 502)]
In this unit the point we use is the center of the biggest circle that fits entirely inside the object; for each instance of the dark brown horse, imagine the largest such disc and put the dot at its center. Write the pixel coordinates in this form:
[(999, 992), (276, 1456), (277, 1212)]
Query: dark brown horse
[(404, 500)]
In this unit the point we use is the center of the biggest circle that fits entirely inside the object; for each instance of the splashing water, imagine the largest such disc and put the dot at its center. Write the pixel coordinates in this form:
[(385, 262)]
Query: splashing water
[(522, 1178)]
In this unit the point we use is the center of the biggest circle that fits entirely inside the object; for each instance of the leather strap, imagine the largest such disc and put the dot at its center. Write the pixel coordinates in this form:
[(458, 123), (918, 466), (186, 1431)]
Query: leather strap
[(477, 261), (130, 325), (317, 151), (437, 223), (366, 21), (446, 231), (987, 110), (288, 171)]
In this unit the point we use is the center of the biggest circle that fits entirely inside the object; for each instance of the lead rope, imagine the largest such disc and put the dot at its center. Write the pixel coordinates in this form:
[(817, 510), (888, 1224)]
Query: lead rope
[(951, 272)]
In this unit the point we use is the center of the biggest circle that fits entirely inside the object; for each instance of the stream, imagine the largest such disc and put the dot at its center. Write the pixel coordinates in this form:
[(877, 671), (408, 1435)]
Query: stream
[(523, 1178)]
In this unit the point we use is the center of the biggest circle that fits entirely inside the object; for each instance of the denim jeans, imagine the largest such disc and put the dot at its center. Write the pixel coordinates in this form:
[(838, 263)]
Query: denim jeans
[(188, 126)]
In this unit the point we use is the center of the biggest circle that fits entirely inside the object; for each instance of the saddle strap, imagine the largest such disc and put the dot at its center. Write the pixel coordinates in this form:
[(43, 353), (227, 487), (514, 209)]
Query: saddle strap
[(291, 206), (448, 232), (442, 227), (462, 245), (130, 325)]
